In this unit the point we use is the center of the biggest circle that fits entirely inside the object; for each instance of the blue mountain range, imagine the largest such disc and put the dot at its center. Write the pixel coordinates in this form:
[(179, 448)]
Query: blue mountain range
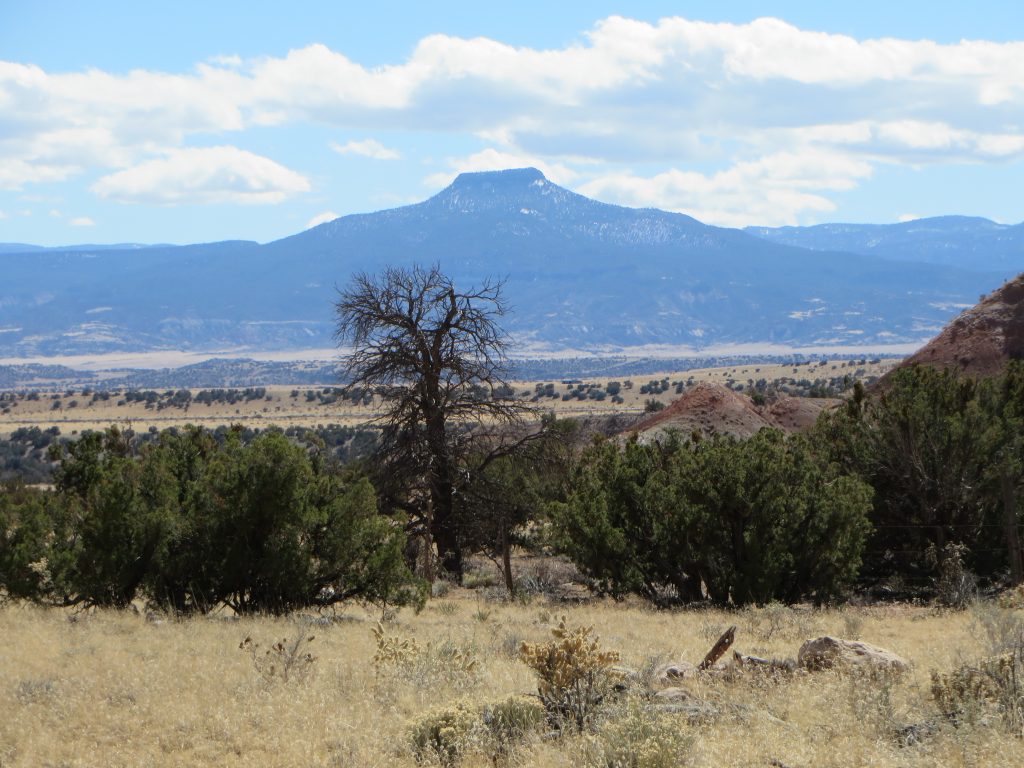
[(579, 274)]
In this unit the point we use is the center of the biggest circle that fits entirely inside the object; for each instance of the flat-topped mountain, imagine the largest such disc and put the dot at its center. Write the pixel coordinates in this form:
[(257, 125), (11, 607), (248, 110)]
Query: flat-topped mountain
[(580, 274)]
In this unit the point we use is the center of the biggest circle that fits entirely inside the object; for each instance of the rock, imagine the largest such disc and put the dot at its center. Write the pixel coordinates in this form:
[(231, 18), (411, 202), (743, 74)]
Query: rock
[(914, 733), (828, 652), (679, 701), (758, 664), (673, 695), (669, 674)]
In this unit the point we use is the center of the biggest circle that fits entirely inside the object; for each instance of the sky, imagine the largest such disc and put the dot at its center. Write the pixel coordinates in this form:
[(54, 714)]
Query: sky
[(196, 122)]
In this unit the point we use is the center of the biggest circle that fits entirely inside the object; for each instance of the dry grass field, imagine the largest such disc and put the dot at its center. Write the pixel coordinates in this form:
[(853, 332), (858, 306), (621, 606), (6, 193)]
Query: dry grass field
[(123, 689), (283, 408)]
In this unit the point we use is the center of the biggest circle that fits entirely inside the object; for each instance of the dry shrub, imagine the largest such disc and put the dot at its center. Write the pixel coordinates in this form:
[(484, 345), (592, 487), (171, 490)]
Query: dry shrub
[(1012, 598), (445, 663), (575, 674), (393, 650), (994, 685), (287, 659), (448, 734), (638, 737), (779, 622), (956, 587), (510, 722), (973, 693)]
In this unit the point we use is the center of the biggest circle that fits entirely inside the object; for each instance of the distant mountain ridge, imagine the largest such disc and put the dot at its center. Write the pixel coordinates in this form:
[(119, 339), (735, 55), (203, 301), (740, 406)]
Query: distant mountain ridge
[(964, 241), (581, 274)]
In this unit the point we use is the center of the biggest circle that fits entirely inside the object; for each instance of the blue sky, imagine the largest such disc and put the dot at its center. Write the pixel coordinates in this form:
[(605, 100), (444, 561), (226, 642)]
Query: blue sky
[(188, 122)]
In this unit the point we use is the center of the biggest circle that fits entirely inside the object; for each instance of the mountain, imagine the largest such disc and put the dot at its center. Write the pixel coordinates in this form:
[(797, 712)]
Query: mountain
[(963, 241), (982, 339), (580, 274)]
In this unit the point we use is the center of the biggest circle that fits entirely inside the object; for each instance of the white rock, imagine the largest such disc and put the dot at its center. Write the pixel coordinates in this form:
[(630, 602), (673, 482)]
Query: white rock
[(827, 652)]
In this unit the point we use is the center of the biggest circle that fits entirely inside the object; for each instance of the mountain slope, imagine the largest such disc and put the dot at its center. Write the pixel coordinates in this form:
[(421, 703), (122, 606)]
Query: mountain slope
[(580, 274), (982, 339)]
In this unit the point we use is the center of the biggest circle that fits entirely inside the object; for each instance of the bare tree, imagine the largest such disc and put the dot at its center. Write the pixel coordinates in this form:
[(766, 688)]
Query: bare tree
[(437, 357)]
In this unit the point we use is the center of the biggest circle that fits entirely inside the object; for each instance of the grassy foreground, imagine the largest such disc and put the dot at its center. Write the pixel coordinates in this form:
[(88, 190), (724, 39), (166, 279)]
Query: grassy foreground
[(118, 689)]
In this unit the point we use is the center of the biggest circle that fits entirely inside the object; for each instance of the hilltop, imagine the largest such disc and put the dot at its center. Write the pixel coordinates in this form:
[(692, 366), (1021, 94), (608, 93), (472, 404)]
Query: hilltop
[(716, 409)]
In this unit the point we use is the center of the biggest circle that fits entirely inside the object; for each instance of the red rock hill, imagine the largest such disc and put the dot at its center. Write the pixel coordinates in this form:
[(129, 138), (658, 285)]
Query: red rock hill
[(714, 409), (983, 338)]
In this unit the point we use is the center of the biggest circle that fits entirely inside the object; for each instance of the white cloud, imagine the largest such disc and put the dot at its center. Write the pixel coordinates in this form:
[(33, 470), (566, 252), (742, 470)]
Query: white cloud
[(628, 94), (55, 214), (905, 217), (3, 215), (82, 221), (209, 175), (16, 172), (366, 148), (322, 218), (773, 190)]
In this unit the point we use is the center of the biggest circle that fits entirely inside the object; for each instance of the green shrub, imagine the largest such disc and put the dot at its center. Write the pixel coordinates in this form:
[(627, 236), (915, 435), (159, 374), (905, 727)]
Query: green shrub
[(750, 521), (191, 523)]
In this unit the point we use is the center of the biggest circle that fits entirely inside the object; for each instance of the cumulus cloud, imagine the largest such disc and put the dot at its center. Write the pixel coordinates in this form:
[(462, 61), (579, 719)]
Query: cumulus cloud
[(628, 95), (15, 172), (773, 190), (82, 221), (208, 175), (322, 218), (366, 148)]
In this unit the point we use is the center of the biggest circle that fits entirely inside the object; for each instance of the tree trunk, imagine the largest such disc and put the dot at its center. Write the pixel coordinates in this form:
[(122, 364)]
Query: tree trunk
[(446, 533), (506, 561), (1012, 534)]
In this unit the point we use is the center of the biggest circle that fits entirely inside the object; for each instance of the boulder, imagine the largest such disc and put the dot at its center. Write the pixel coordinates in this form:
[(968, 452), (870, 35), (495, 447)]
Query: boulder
[(828, 652), (670, 674)]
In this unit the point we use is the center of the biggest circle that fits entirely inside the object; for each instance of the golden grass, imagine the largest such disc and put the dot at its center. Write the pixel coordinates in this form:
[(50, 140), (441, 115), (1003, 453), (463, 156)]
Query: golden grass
[(113, 689)]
